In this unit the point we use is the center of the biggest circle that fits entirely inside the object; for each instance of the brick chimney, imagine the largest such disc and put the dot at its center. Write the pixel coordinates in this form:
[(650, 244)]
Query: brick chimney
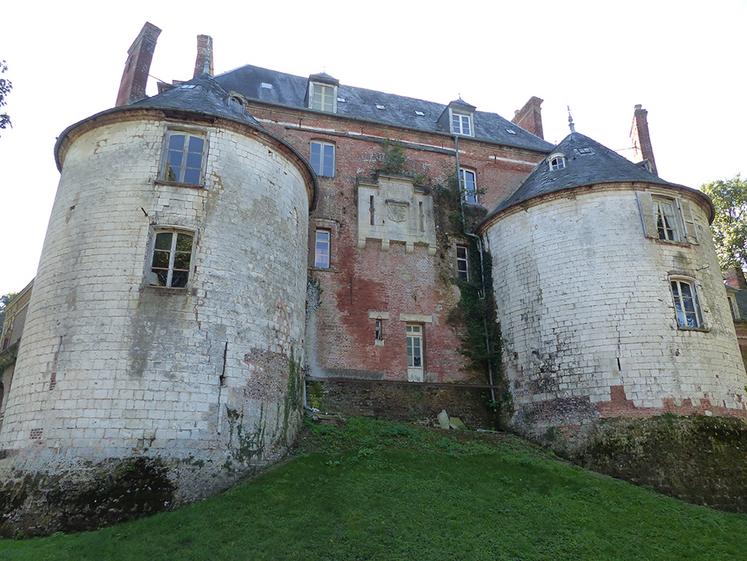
[(204, 60), (642, 148), (139, 57), (529, 117)]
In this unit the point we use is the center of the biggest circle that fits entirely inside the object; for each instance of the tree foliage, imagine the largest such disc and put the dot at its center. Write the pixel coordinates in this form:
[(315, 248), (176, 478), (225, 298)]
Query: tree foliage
[(4, 299), (5, 87), (730, 224)]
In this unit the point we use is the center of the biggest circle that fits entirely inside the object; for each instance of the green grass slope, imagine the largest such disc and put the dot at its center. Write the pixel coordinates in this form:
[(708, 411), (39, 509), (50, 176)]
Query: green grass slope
[(386, 491)]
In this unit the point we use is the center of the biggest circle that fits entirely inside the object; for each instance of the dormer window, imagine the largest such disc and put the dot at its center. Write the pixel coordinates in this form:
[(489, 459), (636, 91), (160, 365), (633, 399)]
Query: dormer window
[(323, 97), (461, 123), (556, 162)]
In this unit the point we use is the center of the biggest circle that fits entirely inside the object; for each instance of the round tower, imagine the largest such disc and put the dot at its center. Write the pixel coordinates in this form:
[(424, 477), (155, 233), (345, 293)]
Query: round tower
[(609, 295), (160, 360)]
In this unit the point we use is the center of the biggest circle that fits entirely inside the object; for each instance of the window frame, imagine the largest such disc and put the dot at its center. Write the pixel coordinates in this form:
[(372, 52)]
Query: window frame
[(674, 220), (419, 335), (556, 162), (324, 265), (462, 273), (678, 299), (165, 160), (467, 194), (322, 144), (313, 96), (174, 231), (461, 118)]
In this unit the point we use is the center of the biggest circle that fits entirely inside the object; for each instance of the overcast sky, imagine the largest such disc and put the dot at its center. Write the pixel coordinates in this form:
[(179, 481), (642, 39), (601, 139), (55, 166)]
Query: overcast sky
[(684, 61)]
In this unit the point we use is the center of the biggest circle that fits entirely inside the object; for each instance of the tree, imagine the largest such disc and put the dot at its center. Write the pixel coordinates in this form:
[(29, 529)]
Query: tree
[(730, 224), (4, 299), (5, 87)]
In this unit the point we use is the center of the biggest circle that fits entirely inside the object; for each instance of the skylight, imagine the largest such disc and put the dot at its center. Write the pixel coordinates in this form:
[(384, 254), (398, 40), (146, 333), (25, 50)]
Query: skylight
[(419, 113), (510, 131), (266, 86), (585, 151), (380, 106)]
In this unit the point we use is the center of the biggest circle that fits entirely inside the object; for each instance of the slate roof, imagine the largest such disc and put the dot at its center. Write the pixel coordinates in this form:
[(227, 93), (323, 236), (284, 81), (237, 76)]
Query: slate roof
[(587, 163), (201, 95), (360, 103)]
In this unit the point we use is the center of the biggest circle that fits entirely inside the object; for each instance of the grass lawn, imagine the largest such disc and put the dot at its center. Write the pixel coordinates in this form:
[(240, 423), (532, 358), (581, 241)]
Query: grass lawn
[(390, 491)]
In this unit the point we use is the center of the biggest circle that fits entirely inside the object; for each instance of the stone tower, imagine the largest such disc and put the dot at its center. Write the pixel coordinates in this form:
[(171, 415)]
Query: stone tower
[(609, 294), (160, 360)]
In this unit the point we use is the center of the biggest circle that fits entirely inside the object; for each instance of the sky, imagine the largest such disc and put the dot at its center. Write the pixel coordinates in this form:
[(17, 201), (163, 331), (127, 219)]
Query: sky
[(683, 61)]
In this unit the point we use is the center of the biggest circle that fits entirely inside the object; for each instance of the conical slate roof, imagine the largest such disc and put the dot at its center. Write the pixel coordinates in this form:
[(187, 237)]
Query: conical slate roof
[(201, 95), (586, 163)]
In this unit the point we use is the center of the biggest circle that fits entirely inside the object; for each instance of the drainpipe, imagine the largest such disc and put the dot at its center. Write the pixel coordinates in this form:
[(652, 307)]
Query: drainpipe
[(482, 265)]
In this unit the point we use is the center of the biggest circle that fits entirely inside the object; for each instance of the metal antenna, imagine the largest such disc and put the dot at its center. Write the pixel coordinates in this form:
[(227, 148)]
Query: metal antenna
[(570, 120)]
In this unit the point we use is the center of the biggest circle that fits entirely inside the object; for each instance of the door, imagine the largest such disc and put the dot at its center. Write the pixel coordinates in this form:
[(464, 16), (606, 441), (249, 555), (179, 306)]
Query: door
[(414, 332)]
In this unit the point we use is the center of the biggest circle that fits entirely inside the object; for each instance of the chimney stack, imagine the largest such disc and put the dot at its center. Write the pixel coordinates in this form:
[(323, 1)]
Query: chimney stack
[(137, 67), (529, 117), (204, 60), (643, 151)]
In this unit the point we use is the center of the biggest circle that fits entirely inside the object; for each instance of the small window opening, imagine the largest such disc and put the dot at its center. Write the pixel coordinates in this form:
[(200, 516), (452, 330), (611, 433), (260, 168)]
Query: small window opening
[(665, 219), (380, 106), (462, 262), (172, 254), (510, 131), (468, 183), (686, 306), (419, 113), (379, 330), (321, 249), (323, 158), (371, 211), (557, 162), (421, 216), (184, 158), (414, 334), (323, 97)]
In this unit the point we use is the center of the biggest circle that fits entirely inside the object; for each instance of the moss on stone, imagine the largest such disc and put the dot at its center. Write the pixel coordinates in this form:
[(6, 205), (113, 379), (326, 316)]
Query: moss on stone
[(698, 459)]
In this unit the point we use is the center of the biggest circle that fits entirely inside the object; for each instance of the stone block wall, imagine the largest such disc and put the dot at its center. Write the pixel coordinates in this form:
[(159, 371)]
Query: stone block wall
[(205, 378), (587, 315), (401, 401)]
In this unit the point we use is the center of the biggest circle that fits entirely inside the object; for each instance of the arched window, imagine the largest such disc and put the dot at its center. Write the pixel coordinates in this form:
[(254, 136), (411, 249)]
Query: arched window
[(556, 162)]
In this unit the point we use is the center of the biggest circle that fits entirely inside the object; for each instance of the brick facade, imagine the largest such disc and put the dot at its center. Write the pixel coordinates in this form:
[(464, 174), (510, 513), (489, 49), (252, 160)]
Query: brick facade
[(340, 333)]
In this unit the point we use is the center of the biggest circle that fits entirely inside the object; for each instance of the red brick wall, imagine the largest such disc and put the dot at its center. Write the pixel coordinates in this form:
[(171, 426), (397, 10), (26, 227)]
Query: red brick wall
[(390, 281)]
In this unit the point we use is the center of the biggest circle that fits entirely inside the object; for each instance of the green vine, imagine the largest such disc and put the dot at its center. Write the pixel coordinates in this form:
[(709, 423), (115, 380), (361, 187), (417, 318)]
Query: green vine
[(473, 317)]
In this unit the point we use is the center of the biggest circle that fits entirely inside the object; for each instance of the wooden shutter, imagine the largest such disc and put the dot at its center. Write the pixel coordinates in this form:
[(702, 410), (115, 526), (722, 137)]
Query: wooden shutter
[(691, 229), (646, 208)]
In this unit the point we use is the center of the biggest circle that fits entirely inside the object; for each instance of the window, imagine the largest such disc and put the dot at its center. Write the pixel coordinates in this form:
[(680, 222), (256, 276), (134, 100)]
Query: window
[(686, 307), (733, 307), (183, 158), (323, 158), (379, 330), (322, 97), (414, 333), (666, 219), (321, 249), (468, 184), (462, 262), (172, 254), (461, 123), (557, 162)]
